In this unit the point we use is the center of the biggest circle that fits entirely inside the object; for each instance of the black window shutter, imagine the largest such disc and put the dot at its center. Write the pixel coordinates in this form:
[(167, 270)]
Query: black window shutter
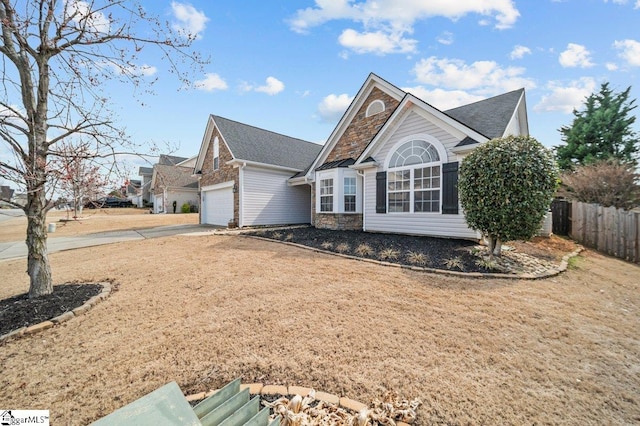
[(381, 192), (450, 188)]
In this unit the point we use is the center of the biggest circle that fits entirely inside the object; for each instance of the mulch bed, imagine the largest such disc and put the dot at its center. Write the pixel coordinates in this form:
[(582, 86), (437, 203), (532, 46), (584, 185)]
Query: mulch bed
[(20, 311), (429, 252)]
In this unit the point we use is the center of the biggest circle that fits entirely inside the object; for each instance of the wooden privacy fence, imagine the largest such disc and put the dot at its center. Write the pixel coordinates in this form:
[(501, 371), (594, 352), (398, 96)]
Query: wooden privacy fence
[(609, 230)]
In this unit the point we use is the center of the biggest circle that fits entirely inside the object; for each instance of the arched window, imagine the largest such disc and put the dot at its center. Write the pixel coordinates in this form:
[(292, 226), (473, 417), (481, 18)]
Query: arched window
[(414, 178), (414, 152), (375, 107)]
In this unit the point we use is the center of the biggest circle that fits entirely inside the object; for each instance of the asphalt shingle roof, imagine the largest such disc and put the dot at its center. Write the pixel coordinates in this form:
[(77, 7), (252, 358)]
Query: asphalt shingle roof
[(170, 160), (174, 176), (345, 162), (263, 146), (489, 117)]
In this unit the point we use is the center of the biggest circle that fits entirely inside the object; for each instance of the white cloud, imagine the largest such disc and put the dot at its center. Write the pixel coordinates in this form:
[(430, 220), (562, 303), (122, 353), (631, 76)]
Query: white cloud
[(333, 106), (611, 66), (446, 38), (566, 98), (391, 20), (629, 51), (210, 83), (518, 52), (272, 87), (377, 42), (443, 99), (142, 70), (80, 12), (191, 22), (576, 55), (482, 77), (637, 5)]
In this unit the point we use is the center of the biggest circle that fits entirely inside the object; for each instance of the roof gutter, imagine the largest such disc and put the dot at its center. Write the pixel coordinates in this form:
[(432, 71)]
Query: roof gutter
[(242, 163)]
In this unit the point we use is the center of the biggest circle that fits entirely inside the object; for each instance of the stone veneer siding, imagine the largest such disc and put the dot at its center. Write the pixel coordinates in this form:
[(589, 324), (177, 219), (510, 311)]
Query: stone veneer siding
[(362, 129), (224, 173), (339, 221)]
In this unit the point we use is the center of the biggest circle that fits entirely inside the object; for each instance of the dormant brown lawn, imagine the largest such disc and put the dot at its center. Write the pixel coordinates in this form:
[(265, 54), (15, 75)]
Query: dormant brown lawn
[(204, 310)]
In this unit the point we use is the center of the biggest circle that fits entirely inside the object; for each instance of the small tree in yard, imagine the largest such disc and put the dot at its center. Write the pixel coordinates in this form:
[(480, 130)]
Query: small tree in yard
[(608, 183), (58, 57), (506, 187), (78, 174)]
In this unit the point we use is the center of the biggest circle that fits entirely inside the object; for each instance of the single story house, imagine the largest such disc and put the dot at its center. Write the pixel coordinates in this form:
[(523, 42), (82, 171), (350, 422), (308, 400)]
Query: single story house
[(390, 165)]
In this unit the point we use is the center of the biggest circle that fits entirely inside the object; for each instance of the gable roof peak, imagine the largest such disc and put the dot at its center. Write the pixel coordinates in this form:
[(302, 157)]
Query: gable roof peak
[(254, 144)]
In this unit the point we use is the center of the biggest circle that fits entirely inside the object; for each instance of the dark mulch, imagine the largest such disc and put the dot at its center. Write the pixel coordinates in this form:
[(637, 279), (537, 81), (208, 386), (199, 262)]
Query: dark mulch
[(20, 311), (429, 252)]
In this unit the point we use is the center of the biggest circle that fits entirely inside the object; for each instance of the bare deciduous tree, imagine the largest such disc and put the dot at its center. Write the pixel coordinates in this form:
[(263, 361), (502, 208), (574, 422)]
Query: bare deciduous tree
[(56, 57), (80, 176), (608, 183)]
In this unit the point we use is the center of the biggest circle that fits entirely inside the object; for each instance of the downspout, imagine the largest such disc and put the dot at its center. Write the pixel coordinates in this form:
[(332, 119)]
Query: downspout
[(364, 218), (164, 199), (240, 195), (313, 201)]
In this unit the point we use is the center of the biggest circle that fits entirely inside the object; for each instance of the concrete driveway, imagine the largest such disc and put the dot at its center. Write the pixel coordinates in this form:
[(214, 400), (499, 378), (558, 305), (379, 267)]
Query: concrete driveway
[(18, 249)]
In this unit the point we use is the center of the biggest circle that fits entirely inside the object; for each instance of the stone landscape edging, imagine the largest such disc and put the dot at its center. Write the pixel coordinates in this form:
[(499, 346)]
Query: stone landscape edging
[(562, 267), (32, 329), (262, 389)]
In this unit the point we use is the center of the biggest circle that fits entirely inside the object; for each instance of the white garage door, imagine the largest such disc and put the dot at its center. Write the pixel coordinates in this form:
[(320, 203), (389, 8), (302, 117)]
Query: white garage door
[(217, 206), (158, 204)]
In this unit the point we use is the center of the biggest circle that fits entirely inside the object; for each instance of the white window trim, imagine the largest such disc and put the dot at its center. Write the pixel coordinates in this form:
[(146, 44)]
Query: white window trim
[(412, 169), (376, 102), (338, 176), (216, 153), (442, 153), (354, 194), (332, 195)]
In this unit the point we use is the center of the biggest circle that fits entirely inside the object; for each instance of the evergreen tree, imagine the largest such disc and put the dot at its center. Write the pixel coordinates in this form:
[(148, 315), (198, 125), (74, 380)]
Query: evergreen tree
[(506, 186), (602, 131)]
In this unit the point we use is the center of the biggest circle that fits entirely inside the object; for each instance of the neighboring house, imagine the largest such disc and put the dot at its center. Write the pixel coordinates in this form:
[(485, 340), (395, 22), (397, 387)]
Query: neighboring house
[(390, 165), (244, 173), (132, 190), (147, 174), (173, 182)]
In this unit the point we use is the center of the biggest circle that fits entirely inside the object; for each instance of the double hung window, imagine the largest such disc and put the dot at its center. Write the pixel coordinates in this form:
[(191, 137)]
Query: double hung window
[(349, 194), (326, 195), (414, 178)]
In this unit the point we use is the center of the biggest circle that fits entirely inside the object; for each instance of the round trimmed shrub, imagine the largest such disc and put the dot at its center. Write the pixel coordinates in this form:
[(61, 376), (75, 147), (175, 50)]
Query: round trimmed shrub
[(506, 186)]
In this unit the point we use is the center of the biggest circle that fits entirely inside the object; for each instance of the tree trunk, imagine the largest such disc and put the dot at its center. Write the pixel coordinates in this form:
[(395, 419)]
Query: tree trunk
[(491, 242), (497, 250), (38, 267)]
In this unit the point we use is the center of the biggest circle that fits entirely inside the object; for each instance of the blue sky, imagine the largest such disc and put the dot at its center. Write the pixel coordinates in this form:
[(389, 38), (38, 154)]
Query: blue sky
[(294, 66)]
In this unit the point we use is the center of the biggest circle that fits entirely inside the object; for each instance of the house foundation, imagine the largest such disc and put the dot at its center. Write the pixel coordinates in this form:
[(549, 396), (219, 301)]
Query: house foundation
[(338, 221)]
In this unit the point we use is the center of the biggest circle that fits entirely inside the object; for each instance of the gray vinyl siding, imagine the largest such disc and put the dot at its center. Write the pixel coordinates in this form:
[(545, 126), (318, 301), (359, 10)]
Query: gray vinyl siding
[(433, 224), (266, 198), (415, 124)]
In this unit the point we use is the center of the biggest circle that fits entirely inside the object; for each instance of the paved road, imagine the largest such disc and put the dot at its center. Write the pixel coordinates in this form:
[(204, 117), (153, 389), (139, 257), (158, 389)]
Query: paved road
[(6, 214), (18, 249)]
